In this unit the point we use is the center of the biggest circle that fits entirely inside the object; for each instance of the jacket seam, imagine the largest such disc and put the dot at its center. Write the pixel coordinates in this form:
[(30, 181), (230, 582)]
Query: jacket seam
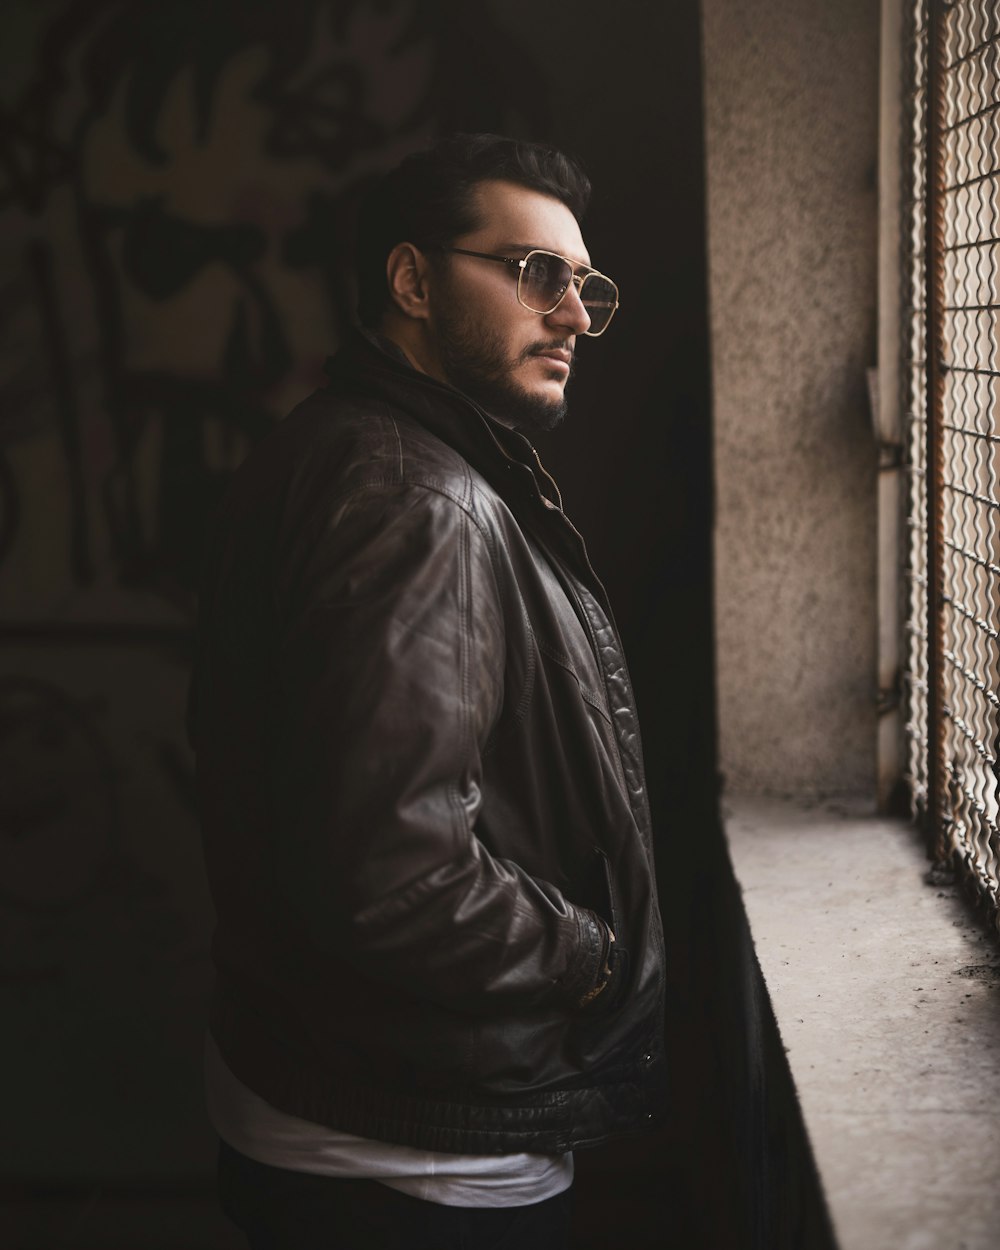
[(464, 599), (433, 488), (564, 662), (592, 630), (399, 441)]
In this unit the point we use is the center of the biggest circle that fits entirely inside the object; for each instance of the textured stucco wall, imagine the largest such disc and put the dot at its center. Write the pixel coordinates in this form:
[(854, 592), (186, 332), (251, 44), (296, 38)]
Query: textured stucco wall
[(791, 96)]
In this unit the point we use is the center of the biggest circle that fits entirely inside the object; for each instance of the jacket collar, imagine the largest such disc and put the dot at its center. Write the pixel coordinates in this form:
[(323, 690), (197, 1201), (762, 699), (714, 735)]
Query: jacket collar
[(370, 363)]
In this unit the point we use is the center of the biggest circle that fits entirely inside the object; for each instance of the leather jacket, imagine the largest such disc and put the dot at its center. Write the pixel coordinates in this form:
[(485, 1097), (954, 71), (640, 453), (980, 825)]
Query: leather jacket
[(421, 785)]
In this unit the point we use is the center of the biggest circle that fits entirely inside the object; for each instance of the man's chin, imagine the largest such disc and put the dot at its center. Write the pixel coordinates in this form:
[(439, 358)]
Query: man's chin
[(526, 412), (543, 418), (519, 409)]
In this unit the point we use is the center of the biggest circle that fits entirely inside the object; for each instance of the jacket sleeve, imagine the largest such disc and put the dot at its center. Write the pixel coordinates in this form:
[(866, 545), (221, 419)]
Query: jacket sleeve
[(390, 679)]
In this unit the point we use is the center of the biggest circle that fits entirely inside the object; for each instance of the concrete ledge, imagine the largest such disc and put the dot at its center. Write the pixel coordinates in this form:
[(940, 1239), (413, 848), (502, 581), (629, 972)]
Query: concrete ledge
[(887, 996)]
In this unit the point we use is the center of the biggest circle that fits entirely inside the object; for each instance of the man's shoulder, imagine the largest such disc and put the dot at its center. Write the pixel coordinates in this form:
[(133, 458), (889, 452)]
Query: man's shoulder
[(333, 444)]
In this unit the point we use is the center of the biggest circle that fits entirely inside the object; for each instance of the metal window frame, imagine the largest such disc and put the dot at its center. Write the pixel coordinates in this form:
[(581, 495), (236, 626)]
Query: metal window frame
[(887, 406)]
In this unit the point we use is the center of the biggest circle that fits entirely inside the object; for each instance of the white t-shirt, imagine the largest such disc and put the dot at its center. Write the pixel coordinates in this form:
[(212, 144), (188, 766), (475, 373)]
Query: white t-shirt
[(262, 1132)]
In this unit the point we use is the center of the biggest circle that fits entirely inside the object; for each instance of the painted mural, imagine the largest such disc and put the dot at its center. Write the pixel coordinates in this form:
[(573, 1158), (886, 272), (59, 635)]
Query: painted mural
[(177, 186)]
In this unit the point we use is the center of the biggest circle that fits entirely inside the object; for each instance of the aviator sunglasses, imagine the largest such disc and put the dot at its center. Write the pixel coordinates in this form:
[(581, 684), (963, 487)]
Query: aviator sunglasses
[(543, 278)]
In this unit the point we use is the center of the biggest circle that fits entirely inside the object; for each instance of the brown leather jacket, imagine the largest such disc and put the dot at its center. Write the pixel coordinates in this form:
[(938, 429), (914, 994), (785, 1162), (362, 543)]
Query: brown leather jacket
[(421, 785)]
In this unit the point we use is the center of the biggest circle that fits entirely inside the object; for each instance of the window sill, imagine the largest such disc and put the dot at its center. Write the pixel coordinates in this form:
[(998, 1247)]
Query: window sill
[(887, 997)]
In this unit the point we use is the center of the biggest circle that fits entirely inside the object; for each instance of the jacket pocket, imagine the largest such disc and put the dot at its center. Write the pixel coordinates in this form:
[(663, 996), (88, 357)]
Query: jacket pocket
[(618, 960), (607, 891), (602, 894)]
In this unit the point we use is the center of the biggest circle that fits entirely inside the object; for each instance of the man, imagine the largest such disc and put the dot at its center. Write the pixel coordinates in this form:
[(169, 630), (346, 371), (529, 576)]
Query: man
[(438, 950)]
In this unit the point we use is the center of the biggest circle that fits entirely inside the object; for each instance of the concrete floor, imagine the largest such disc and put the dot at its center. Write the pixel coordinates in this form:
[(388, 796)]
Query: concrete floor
[(887, 994)]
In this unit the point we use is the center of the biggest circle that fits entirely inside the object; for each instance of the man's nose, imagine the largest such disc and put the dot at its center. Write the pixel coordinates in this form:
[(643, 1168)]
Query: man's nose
[(570, 313)]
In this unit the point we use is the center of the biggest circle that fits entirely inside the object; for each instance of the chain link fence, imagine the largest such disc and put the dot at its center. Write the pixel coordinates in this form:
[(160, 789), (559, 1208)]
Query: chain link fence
[(951, 432)]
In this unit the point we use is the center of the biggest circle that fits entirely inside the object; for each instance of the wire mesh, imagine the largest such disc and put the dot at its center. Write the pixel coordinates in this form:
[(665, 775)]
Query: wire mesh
[(951, 375)]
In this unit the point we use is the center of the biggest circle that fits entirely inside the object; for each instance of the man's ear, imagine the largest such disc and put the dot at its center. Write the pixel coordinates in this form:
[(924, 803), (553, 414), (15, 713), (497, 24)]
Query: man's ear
[(406, 274)]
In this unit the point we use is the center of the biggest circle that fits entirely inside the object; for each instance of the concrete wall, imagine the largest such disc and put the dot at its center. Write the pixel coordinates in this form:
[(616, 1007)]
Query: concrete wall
[(791, 108)]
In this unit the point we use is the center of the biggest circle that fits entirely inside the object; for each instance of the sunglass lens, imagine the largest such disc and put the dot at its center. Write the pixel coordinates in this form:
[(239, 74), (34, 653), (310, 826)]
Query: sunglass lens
[(544, 280), (599, 296)]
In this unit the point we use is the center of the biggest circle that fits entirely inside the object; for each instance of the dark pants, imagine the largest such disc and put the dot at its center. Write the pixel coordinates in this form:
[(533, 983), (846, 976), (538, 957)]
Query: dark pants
[(281, 1210)]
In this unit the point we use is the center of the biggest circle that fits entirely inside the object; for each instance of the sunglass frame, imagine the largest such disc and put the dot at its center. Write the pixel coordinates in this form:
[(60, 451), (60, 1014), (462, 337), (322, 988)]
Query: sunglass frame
[(578, 280)]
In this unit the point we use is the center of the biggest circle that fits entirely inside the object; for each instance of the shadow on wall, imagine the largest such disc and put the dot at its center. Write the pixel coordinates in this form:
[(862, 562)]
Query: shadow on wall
[(180, 183)]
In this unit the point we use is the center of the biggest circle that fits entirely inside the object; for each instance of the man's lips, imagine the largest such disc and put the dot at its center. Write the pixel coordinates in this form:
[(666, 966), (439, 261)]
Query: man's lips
[(555, 355)]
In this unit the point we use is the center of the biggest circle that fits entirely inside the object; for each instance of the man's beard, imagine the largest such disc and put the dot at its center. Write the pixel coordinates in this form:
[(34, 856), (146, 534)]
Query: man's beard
[(475, 361)]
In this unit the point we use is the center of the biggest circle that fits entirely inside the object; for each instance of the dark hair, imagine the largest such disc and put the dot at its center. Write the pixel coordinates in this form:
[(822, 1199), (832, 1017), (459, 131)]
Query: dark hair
[(426, 200)]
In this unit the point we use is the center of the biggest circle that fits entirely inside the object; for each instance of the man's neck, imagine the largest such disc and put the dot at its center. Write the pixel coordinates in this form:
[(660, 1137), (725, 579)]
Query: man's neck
[(407, 338)]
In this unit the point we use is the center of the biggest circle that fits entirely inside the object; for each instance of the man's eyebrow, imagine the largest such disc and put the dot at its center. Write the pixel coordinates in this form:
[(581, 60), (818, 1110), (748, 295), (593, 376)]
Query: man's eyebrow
[(533, 247)]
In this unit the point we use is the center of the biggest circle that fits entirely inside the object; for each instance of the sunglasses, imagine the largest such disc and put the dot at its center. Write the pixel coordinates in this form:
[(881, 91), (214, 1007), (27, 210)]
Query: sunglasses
[(543, 278)]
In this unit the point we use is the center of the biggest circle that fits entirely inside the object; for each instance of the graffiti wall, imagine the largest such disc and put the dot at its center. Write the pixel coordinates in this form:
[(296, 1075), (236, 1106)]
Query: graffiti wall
[(177, 185)]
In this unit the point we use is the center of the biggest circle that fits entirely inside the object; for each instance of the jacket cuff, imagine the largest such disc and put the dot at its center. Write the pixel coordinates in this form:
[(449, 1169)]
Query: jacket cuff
[(594, 968)]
